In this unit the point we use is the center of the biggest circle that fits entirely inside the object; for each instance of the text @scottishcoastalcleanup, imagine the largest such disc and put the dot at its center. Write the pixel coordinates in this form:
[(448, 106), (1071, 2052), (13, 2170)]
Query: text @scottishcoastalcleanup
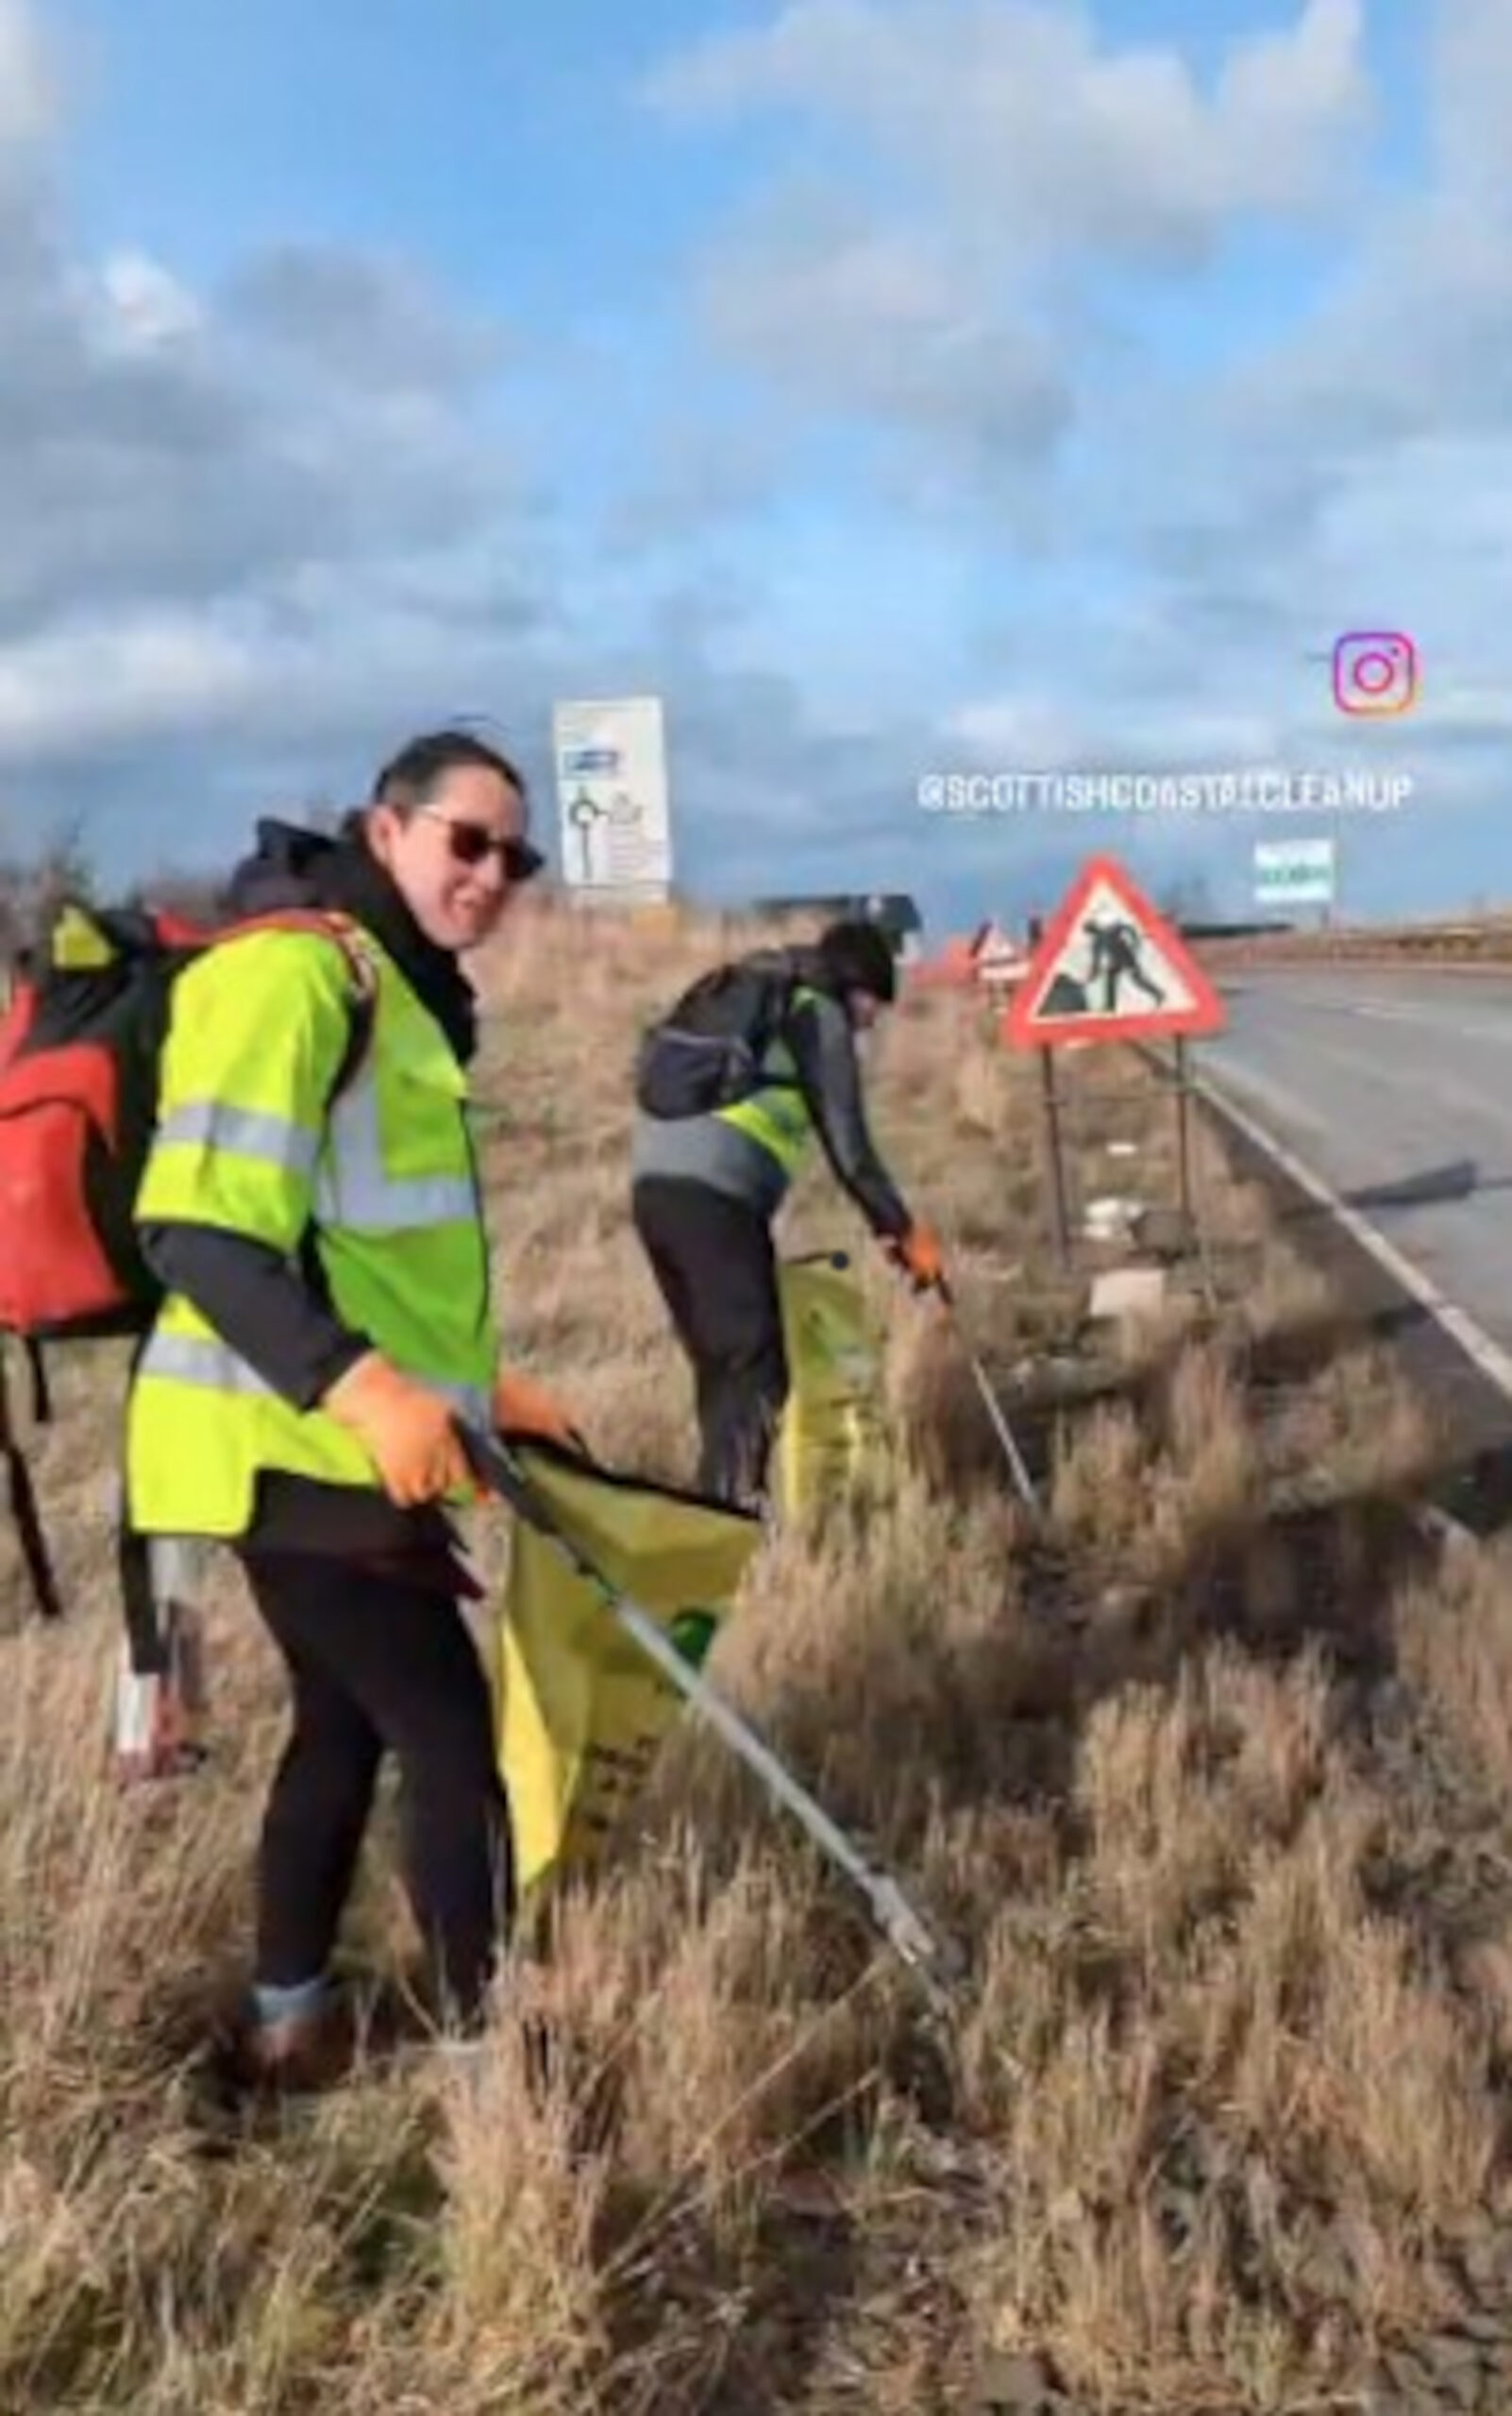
[(1263, 790)]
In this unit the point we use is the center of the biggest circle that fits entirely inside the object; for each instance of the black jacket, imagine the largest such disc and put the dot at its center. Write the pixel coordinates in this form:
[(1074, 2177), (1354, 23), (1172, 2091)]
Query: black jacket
[(823, 1047)]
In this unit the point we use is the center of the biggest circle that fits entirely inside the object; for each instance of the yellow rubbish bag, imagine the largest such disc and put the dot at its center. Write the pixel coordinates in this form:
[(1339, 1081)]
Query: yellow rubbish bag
[(581, 1710), (834, 1422)]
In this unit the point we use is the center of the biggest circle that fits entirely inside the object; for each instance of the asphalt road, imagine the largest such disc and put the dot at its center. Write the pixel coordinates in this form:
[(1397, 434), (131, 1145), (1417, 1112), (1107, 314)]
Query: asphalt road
[(1397, 1088)]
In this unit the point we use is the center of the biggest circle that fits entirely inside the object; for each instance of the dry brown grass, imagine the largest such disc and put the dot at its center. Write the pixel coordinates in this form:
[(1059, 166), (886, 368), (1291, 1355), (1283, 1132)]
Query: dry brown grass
[(1210, 2102)]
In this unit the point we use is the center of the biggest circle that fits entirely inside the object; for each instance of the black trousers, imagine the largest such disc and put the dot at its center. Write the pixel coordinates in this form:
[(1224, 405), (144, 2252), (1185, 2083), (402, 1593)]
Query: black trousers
[(717, 1269), (379, 1662)]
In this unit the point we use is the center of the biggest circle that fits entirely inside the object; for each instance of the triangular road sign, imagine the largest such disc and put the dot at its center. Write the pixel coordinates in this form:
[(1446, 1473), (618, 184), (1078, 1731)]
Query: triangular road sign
[(1110, 967), (1000, 960), (991, 943)]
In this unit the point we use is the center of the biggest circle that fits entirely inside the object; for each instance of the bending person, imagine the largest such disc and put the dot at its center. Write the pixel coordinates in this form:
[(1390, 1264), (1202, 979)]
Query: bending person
[(706, 1189)]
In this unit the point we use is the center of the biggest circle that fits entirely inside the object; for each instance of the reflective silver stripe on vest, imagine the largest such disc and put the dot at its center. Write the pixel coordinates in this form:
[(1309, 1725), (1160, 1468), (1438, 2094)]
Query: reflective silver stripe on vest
[(243, 1132), (196, 1359), (353, 1188)]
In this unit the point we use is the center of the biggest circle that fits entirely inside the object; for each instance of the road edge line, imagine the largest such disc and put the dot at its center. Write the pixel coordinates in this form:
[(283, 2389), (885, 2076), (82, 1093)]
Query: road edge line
[(1484, 1353)]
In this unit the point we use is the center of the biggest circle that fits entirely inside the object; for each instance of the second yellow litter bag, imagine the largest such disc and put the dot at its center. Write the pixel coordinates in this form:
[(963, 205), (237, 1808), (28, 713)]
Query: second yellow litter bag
[(580, 1709), (834, 1423)]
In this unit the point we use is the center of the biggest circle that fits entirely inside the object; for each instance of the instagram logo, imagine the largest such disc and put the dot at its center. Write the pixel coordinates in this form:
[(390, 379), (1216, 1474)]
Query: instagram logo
[(1375, 671)]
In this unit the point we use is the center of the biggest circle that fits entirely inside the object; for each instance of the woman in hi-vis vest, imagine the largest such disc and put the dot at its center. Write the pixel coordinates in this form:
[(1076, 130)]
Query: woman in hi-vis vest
[(320, 1231)]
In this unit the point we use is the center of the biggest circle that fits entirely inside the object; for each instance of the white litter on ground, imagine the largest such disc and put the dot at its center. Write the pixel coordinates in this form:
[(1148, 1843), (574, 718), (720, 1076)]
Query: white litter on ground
[(1110, 1218), (1128, 1292)]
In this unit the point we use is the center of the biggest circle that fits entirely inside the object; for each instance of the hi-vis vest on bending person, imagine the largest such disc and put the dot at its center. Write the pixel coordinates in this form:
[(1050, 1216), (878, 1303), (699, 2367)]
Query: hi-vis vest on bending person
[(382, 1188), (775, 1114)]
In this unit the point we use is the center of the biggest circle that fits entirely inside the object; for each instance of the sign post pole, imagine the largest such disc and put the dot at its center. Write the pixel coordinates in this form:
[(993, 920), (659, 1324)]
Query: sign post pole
[(1184, 1133), (1055, 1162)]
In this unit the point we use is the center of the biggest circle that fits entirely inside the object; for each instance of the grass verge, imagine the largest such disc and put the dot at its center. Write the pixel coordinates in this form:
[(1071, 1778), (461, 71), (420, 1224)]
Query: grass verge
[(1209, 1773)]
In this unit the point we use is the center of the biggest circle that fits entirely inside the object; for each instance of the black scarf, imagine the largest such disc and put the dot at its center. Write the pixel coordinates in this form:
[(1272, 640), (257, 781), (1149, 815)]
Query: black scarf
[(290, 866)]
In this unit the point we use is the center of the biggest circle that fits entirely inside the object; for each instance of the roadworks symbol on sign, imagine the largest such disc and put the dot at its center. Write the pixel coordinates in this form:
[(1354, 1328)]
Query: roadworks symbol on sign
[(1110, 967)]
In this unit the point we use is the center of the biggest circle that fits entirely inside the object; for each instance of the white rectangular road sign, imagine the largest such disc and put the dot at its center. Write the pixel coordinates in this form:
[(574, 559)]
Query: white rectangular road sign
[(613, 798), (1294, 855), (1296, 891), (1295, 872)]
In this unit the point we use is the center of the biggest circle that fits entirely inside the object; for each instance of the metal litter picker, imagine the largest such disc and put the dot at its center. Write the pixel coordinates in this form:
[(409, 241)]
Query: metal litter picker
[(935, 1962), (1016, 1466)]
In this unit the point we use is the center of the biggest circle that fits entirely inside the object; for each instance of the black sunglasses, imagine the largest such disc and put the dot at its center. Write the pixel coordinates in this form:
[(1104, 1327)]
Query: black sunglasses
[(470, 843)]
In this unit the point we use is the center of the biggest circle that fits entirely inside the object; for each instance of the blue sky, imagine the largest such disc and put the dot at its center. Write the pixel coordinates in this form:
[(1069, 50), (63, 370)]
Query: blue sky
[(892, 386)]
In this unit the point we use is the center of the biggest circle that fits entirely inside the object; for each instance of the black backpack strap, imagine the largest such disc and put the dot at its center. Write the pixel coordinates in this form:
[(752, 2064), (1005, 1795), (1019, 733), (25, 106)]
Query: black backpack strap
[(41, 1399), (24, 1502), (133, 1570), (783, 979)]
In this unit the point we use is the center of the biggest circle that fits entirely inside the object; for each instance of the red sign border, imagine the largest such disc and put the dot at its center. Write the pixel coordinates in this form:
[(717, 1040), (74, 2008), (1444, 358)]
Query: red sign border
[(1206, 1017)]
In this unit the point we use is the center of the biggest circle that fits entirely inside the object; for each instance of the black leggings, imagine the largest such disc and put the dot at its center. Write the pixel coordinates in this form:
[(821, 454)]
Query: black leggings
[(377, 1662), (715, 1268)]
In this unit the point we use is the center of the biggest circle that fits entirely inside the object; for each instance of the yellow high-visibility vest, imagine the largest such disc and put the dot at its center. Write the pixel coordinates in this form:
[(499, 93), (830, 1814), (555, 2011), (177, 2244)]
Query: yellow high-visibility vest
[(776, 1117), (383, 1184)]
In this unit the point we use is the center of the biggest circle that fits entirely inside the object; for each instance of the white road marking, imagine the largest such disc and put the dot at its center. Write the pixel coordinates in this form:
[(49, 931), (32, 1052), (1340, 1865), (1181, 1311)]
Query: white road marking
[(1493, 1361), (1287, 1103)]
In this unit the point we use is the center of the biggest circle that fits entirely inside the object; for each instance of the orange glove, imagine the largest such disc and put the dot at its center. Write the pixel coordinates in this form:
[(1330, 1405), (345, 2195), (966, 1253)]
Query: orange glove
[(408, 1428), (918, 1253), (521, 1406)]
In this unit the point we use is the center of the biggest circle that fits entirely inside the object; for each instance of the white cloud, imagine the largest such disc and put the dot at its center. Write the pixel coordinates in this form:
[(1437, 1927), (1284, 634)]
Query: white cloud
[(1015, 733), (254, 530), (1471, 65), (259, 517), (156, 444), (1016, 109), (83, 685), (984, 165), (362, 321), (29, 98), (1356, 471), (856, 317), (997, 163), (145, 306)]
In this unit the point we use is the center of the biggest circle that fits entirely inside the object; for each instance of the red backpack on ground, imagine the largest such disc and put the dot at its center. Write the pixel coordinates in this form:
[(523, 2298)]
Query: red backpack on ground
[(81, 1041)]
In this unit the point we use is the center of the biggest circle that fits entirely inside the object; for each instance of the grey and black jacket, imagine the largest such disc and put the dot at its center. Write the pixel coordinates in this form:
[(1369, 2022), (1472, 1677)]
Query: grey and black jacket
[(817, 1041)]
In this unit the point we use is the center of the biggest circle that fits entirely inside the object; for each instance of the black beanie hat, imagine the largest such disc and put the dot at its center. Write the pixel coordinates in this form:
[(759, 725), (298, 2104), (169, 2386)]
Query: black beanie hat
[(858, 956)]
